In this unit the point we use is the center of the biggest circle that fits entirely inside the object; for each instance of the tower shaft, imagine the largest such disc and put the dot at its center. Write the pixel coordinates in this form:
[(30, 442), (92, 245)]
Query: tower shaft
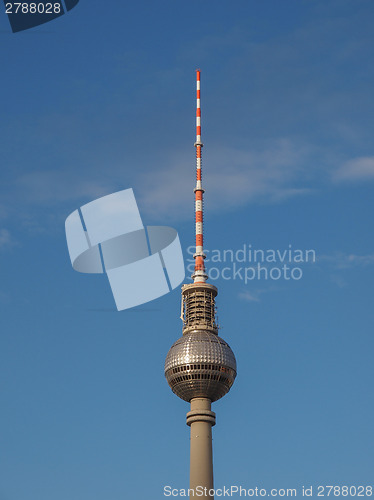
[(201, 419)]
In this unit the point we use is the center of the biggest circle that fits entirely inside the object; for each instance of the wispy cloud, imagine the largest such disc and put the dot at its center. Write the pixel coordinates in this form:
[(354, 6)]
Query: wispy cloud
[(339, 264), (42, 199), (258, 109), (51, 187), (264, 86), (346, 261), (254, 295), (338, 280), (235, 178), (357, 169), (6, 239), (249, 296)]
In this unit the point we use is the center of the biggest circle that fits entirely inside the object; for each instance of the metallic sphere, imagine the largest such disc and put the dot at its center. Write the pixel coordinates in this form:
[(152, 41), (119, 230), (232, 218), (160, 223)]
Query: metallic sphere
[(200, 364)]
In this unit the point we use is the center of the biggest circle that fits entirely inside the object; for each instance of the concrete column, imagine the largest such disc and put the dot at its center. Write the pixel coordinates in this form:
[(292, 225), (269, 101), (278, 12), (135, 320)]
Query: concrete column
[(201, 419)]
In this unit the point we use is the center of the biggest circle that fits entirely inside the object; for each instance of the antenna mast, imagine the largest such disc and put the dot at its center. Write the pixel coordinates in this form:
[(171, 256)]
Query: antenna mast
[(199, 275)]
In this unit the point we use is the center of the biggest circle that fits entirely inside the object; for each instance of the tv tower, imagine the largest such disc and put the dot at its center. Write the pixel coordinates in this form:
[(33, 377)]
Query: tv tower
[(200, 367)]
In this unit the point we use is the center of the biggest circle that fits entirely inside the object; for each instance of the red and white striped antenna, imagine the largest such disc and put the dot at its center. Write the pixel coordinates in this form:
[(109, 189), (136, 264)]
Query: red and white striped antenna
[(199, 275)]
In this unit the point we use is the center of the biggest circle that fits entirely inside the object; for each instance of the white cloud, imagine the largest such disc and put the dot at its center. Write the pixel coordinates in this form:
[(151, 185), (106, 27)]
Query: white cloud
[(248, 296), (338, 280), (41, 199), (233, 178), (357, 169), (347, 261), (49, 187), (254, 295), (5, 238), (339, 263)]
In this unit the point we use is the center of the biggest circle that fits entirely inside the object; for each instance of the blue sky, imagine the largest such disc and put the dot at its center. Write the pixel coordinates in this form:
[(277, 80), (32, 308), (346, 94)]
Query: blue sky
[(103, 99)]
